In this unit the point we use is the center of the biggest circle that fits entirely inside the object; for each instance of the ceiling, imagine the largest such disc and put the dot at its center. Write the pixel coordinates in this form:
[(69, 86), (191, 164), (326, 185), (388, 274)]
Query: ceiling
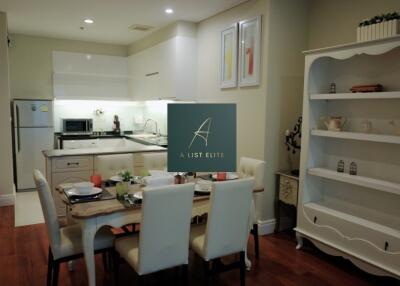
[(112, 18)]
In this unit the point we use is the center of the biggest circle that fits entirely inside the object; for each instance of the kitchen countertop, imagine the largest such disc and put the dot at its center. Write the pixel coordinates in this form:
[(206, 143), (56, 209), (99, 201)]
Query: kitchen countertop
[(137, 148)]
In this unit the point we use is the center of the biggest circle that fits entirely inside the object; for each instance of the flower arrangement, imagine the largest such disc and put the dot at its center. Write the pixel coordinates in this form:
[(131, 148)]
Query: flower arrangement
[(380, 18), (378, 27), (125, 175)]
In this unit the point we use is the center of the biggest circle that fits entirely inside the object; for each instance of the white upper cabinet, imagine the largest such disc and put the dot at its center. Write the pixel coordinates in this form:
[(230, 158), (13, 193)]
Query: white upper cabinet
[(164, 71), (86, 76)]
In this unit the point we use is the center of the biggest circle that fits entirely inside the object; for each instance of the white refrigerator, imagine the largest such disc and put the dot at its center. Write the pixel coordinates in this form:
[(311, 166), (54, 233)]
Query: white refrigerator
[(33, 133)]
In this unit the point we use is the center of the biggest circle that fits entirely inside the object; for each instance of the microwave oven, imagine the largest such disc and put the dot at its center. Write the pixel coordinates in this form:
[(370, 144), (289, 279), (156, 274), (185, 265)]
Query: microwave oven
[(77, 126)]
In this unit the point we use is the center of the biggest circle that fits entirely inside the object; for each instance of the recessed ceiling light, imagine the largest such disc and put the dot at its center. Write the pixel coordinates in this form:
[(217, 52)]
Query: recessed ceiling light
[(88, 21), (169, 11)]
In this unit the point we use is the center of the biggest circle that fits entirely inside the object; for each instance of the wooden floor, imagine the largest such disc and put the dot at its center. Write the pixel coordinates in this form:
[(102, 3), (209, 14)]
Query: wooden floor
[(23, 258)]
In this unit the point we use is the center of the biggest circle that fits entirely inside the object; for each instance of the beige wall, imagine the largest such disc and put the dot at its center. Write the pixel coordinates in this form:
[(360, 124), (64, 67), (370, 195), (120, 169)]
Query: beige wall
[(335, 22), (31, 64), (179, 28), (265, 111), (6, 173)]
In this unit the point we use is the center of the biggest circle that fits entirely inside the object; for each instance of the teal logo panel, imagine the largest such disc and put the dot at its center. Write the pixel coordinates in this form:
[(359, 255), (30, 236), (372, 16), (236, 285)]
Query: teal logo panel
[(201, 137)]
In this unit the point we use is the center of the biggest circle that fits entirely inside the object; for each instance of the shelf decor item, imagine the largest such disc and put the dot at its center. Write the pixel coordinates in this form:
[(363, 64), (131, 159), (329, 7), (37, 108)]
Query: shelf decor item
[(229, 57), (353, 169), (340, 166), (333, 88), (292, 142), (367, 88), (249, 51), (334, 123), (378, 27)]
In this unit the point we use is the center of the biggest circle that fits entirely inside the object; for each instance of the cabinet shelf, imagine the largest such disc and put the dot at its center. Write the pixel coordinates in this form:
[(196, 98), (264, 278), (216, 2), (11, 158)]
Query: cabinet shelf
[(393, 139), (320, 207), (357, 95), (380, 185)]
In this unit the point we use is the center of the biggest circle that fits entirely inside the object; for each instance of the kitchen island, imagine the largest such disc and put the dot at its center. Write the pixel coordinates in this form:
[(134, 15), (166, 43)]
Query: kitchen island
[(77, 165)]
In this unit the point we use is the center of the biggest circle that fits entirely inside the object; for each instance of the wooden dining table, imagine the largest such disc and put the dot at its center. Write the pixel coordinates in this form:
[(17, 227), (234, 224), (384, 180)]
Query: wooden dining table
[(91, 216)]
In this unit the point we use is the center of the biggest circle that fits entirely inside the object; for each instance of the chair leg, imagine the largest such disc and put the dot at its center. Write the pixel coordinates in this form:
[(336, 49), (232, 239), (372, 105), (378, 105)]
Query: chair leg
[(242, 269), (185, 274), (256, 243), (116, 267), (206, 267), (139, 279), (56, 270), (50, 268)]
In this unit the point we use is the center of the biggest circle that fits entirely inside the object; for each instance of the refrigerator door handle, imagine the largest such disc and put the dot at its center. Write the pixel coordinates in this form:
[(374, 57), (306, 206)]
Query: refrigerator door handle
[(18, 136)]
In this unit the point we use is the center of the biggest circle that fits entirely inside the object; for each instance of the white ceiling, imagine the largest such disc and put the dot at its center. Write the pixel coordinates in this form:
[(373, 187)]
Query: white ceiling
[(63, 18)]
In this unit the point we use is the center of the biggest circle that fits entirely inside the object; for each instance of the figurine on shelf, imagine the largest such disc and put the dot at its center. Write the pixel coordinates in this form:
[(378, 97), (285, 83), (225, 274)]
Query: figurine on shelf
[(333, 88), (116, 125), (340, 166), (353, 169), (292, 143)]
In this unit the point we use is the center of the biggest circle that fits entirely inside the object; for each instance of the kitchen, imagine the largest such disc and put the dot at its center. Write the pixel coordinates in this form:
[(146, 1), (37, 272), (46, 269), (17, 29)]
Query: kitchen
[(86, 89)]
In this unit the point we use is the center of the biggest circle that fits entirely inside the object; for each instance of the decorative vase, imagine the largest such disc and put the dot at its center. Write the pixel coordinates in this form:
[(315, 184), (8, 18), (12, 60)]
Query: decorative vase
[(122, 189)]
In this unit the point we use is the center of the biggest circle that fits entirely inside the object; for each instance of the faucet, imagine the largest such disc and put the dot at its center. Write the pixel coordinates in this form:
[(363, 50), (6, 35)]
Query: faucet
[(155, 123)]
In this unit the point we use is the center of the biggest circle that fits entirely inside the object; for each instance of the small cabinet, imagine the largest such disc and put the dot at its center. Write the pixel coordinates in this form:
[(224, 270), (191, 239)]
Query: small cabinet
[(287, 186), (164, 71), (72, 164)]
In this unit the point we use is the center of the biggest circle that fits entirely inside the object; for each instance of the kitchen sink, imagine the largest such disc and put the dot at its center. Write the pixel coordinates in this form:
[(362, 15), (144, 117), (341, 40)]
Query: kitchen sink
[(150, 138)]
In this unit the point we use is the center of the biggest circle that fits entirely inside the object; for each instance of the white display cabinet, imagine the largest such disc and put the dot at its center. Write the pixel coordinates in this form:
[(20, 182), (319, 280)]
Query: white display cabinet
[(354, 216)]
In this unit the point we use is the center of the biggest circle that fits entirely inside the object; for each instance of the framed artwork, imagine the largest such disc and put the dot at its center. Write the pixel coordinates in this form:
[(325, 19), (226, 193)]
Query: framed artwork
[(249, 51), (229, 57)]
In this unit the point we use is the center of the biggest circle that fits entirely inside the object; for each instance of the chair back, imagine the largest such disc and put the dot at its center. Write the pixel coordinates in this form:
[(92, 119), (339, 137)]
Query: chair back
[(109, 165), (249, 167), (49, 210), (155, 161), (165, 227), (227, 225)]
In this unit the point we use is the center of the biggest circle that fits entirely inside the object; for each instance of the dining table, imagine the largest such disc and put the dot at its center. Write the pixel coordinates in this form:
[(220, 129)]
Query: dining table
[(93, 215)]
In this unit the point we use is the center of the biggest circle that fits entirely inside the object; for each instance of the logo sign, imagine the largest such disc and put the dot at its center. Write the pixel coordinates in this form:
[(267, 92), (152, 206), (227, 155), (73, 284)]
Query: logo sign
[(201, 137)]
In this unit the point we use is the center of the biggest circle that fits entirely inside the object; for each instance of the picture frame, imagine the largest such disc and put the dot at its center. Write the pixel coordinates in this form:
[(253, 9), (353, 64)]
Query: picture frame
[(229, 55), (249, 51)]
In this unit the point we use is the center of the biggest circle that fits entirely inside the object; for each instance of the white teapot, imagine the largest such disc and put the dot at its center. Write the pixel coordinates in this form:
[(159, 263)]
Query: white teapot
[(334, 123)]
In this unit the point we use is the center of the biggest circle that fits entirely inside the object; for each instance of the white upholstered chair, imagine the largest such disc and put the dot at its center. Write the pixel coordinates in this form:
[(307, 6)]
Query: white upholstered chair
[(155, 161), (65, 242), (163, 240), (226, 230), (109, 165), (253, 168)]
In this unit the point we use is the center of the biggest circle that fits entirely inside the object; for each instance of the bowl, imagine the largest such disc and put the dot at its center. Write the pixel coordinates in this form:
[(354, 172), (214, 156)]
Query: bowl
[(84, 187)]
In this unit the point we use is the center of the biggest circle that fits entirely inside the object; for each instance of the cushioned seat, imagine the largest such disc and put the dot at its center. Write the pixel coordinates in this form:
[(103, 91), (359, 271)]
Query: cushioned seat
[(226, 230), (71, 241), (253, 168), (128, 247), (65, 242), (197, 236), (163, 241)]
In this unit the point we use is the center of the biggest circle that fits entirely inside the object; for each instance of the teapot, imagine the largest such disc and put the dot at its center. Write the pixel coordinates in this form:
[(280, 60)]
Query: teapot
[(334, 123)]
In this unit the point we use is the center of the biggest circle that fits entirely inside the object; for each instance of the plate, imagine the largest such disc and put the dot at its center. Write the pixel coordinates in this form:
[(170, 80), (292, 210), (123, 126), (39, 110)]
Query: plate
[(200, 190), (138, 195), (229, 176), (75, 192), (116, 178)]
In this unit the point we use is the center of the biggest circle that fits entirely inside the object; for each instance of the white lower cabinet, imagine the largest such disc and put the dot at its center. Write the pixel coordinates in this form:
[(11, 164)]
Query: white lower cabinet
[(369, 241), (67, 177)]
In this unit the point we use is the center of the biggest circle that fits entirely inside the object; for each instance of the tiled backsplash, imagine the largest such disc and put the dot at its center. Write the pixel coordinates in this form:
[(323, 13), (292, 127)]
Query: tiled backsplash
[(132, 115)]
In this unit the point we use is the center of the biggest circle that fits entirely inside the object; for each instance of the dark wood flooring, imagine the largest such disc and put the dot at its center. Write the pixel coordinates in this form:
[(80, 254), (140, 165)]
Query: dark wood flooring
[(23, 258)]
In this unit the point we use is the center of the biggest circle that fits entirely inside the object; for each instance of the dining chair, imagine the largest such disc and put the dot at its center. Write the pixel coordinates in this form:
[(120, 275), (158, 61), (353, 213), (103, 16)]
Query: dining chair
[(155, 161), (109, 165), (163, 240), (226, 230), (249, 167), (65, 242)]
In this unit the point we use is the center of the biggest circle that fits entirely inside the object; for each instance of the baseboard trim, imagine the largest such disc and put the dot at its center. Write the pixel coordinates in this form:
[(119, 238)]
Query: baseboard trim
[(7, 200), (266, 226)]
